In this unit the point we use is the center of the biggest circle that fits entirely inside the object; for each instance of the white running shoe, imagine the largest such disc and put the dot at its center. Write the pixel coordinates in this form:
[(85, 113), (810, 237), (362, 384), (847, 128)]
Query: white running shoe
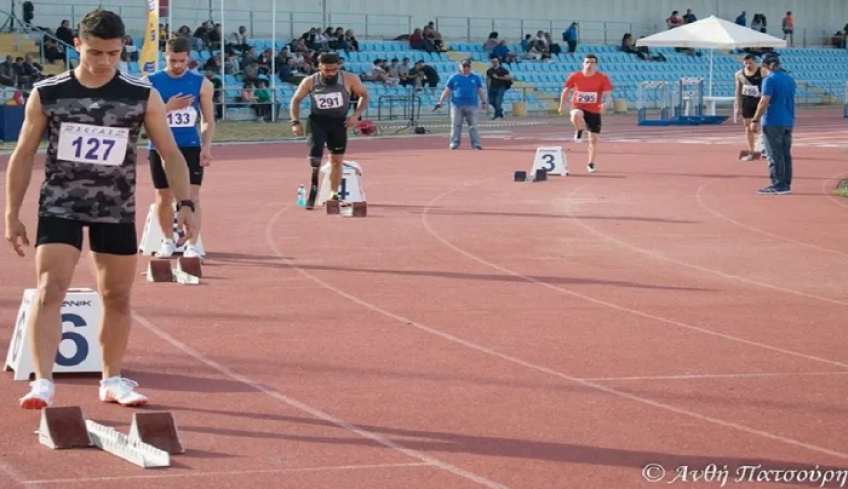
[(121, 391), (191, 251), (167, 248), (41, 395)]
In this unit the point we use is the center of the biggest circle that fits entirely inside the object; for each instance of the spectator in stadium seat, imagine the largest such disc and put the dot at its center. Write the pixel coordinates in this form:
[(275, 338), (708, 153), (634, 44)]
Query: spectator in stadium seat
[(570, 37), (689, 17), (490, 43), (202, 34), (431, 34), (501, 52), (647, 52), (423, 74), (350, 39), (419, 43), (498, 81), (64, 33), (8, 76), (742, 19), (238, 40), (627, 47), (404, 73)]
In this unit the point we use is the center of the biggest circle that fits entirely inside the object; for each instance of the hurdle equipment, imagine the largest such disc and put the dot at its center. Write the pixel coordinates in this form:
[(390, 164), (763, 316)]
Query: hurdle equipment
[(350, 188), (62, 428), (187, 272), (689, 104), (660, 94), (151, 237), (79, 351), (845, 102)]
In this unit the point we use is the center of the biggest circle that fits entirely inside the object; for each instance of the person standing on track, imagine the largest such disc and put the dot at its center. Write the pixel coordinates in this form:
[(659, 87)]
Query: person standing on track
[(187, 94), (749, 81), (466, 93), (93, 115), (592, 95), (777, 111), (330, 91)]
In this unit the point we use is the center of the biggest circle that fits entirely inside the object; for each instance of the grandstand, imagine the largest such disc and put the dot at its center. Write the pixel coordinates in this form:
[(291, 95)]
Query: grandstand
[(821, 73)]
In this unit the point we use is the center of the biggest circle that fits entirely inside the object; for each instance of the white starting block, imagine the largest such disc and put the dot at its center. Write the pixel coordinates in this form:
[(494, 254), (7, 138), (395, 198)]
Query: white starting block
[(151, 237), (350, 189), (551, 159), (79, 351)]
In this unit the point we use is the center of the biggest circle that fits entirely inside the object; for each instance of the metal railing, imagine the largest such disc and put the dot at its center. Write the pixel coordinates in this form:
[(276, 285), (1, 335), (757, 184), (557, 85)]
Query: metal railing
[(378, 26)]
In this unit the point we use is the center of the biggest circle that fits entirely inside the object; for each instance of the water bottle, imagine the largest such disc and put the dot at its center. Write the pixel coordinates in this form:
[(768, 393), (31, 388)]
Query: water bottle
[(301, 196)]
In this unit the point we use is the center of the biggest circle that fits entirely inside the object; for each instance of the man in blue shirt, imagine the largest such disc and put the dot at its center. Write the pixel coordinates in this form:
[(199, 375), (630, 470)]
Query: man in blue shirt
[(777, 112), (466, 95)]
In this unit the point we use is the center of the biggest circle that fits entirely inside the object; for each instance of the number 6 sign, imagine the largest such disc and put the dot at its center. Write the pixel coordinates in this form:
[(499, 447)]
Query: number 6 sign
[(79, 351)]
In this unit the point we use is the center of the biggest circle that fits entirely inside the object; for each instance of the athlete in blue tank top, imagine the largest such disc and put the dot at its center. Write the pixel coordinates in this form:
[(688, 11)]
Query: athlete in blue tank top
[(188, 97)]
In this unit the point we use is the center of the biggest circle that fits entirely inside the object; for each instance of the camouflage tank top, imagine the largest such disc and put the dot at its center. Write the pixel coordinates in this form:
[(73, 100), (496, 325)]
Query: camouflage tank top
[(90, 169)]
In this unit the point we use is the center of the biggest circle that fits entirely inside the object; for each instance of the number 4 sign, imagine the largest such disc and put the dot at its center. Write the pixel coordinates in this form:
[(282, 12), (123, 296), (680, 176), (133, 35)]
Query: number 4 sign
[(79, 351), (551, 159)]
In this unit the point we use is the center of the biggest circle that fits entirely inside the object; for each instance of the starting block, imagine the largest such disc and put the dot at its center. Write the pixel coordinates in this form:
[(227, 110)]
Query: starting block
[(152, 439), (62, 428), (759, 149), (350, 188), (151, 237), (549, 160), (347, 209), (540, 175), (79, 351), (187, 272)]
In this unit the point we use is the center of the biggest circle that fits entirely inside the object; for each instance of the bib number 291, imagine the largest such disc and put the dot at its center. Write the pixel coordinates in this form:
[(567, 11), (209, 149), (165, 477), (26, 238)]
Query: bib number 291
[(80, 343)]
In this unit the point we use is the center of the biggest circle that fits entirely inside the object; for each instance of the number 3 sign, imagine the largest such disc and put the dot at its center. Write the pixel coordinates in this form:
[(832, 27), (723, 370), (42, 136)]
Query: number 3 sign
[(551, 159)]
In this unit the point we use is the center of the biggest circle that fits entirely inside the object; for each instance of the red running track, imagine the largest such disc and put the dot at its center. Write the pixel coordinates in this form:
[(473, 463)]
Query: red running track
[(475, 332)]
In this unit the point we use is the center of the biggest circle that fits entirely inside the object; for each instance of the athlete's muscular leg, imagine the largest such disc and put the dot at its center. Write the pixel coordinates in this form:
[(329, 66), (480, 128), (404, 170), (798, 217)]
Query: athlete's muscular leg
[(195, 197), (54, 265), (115, 277), (749, 135), (593, 145), (165, 211), (577, 119), (336, 170)]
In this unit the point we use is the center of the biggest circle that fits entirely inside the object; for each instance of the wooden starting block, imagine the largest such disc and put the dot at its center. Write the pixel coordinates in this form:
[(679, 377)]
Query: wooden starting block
[(347, 209), (157, 428), (152, 439), (62, 428), (187, 272)]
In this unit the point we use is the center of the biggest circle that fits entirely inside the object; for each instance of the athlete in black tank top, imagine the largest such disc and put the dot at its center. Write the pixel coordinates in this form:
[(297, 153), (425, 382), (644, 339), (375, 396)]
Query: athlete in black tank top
[(749, 82), (93, 115)]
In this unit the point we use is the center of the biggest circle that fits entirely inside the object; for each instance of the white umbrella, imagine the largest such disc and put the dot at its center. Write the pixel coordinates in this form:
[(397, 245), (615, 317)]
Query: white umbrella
[(712, 33)]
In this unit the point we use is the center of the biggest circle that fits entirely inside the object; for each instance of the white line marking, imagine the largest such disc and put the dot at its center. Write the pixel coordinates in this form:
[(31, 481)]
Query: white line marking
[(315, 412), (13, 474), (714, 376), (700, 200), (518, 361), (231, 473), (656, 255)]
